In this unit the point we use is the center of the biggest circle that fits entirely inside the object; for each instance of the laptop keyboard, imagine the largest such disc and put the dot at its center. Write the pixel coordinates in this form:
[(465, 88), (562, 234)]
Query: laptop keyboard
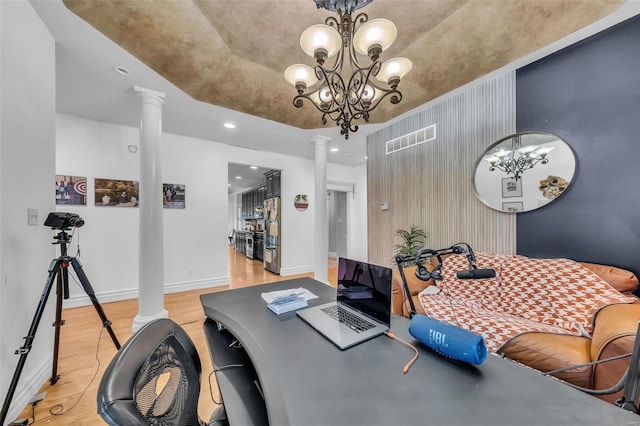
[(347, 318)]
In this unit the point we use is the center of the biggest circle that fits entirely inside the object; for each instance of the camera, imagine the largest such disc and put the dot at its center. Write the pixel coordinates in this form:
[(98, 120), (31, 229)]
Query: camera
[(58, 220)]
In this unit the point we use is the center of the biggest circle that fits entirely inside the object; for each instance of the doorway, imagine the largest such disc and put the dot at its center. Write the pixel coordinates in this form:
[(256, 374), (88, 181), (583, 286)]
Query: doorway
[(337, 214)]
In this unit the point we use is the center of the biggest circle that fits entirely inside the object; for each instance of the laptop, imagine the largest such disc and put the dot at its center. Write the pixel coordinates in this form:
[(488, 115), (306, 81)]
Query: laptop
[(362, 309)]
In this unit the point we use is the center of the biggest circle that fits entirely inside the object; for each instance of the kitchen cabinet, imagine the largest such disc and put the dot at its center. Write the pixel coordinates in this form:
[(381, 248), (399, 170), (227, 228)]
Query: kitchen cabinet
[(273, 184), (252, 203)]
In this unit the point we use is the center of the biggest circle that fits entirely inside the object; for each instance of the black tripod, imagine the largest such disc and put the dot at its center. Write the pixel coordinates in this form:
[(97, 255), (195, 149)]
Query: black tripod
[(57, 269)]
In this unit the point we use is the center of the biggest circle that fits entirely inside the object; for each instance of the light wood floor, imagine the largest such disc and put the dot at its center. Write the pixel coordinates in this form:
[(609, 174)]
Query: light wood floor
[(86, 348)]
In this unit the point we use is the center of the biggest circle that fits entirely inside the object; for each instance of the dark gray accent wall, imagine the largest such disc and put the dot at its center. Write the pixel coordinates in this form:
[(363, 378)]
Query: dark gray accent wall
[(589, 95)]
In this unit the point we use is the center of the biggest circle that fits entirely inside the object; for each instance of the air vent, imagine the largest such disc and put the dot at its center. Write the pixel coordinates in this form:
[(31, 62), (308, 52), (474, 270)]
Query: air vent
[(411, 139)]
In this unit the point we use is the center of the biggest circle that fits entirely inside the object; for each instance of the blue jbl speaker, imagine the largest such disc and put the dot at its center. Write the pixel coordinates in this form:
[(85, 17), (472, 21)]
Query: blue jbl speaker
[(448, 339)]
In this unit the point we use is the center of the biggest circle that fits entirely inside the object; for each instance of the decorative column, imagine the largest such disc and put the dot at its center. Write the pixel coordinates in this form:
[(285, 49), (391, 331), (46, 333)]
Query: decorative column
[(321, 249), (151, 269)]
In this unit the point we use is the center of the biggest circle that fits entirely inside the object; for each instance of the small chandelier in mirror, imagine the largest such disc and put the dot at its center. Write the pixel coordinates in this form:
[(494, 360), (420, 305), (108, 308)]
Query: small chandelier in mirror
[(345, 94), (519, 158)]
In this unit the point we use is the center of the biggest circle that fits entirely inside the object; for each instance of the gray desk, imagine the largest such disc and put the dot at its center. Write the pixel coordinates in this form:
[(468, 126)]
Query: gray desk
[(307, 381)]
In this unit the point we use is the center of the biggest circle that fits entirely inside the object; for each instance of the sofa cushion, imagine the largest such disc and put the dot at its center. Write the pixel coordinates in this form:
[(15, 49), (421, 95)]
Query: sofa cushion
[(546, 352), (620, 279)]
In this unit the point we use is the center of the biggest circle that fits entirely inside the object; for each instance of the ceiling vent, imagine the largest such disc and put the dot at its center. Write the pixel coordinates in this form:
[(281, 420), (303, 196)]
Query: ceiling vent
[(411, 139)]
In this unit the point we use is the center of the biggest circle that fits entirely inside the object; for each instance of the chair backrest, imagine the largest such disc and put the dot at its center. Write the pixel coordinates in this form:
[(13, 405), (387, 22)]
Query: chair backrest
[(153, 379)]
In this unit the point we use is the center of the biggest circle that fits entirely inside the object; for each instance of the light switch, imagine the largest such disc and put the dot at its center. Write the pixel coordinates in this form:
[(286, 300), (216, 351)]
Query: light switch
[(384, 206), (32, 217)]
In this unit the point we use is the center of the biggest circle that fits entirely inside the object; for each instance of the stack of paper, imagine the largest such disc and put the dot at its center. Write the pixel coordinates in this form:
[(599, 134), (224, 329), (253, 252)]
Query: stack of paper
[(287, 303)]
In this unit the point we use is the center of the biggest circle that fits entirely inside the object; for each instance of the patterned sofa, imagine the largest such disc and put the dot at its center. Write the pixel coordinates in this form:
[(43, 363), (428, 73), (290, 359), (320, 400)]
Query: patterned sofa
[(611, 314)]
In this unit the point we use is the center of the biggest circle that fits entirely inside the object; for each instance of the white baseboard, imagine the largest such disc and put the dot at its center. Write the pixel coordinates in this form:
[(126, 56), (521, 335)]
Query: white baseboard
[(195, 285), (31, 381), (115, 296), (285, 272)]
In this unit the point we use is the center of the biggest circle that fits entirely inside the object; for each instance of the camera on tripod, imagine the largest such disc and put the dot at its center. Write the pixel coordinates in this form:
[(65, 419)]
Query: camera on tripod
[(58, 220)]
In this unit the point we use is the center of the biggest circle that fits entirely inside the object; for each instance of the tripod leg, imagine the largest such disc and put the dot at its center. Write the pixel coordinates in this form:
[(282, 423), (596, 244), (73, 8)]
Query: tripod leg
[(62, 283), (86, 285), (54, 267)]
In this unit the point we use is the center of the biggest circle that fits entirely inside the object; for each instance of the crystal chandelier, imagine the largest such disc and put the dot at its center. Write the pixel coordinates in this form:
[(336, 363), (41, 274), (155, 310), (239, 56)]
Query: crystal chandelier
[(518, 159), (345, 94)]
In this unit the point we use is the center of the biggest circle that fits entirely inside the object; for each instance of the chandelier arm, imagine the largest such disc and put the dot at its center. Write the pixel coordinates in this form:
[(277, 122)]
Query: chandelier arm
[(357, 85), (332, 22), (298, 102), (353, 55), (360, 19)]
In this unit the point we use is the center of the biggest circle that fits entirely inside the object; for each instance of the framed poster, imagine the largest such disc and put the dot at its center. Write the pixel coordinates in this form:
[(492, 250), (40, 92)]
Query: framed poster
[(173, 196), (511, 187), (513, 207), (118, 193), (71, 190)]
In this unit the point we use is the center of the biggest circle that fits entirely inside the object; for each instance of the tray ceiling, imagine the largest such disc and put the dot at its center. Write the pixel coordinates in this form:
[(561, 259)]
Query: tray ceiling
[(232, 53)]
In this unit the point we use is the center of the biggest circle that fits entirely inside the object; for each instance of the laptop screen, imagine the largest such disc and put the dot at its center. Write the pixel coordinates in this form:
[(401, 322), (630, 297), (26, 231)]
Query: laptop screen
[(366, 288)]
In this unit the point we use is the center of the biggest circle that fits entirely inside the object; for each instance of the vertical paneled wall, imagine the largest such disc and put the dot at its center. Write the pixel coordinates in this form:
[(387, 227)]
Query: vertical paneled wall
[(430, 184)]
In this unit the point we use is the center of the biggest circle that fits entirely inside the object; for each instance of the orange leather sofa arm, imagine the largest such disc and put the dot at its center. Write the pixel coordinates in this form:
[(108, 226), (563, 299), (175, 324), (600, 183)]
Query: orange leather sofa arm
[(415, 286), (614, 334)]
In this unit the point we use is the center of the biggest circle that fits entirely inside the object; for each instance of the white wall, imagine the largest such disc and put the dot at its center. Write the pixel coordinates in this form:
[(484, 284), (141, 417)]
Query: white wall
[(27, 145), (196, 238)]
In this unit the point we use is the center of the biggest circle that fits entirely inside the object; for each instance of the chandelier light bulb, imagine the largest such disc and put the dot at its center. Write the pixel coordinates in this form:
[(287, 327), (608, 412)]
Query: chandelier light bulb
[(325, 95), (300, 76), (394, 70), (377, 33), (320, 40), (368, 93), (544, 150)]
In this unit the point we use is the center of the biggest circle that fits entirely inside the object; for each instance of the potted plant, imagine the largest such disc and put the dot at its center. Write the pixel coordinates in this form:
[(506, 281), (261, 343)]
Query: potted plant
[(413, 239), (300, 202)]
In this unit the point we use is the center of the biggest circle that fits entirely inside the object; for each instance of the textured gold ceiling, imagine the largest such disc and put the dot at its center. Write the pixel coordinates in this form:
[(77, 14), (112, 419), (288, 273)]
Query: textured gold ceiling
[(232, 53)]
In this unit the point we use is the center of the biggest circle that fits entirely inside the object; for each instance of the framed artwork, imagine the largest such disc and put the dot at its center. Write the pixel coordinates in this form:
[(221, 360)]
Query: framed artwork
[(511, 188), (71, 190), (173, 196), (117, 193), (513, 207)]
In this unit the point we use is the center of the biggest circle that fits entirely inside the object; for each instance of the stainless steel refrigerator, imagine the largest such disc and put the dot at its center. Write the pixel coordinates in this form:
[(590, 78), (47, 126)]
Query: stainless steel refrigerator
[(272, 240)]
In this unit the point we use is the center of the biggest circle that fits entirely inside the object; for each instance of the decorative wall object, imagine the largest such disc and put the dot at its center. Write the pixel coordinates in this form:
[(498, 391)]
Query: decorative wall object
[(301, 203), (511, 187), (553, 186), (534, 171), (513, 207), (120, 193), (173, 196), (71, 190)]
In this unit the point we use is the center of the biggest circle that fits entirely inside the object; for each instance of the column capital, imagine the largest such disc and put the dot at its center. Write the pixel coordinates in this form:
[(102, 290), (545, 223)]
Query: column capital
[(320, 140), (149, 96)]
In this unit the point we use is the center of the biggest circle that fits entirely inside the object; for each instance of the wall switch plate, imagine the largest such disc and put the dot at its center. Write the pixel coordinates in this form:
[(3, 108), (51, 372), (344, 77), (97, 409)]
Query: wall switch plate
[(384, 206), (32, 217)]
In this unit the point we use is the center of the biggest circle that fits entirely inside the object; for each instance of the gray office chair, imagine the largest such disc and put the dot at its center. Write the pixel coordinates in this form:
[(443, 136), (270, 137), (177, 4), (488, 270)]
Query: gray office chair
[(154, 379)]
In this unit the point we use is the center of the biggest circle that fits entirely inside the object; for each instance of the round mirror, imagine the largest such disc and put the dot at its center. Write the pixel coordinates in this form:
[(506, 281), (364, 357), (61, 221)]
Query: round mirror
[(523, 172)]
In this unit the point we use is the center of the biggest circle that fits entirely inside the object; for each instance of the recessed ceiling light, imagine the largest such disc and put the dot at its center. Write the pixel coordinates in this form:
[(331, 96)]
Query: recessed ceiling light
[(229, 125), (132, 148), (238, 177), (121, 70), (229, 184), (333, 149), (366, 158), (254, 167)]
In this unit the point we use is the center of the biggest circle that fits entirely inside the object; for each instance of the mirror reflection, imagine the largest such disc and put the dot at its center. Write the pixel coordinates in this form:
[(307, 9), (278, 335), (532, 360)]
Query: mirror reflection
[(524, 171)]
